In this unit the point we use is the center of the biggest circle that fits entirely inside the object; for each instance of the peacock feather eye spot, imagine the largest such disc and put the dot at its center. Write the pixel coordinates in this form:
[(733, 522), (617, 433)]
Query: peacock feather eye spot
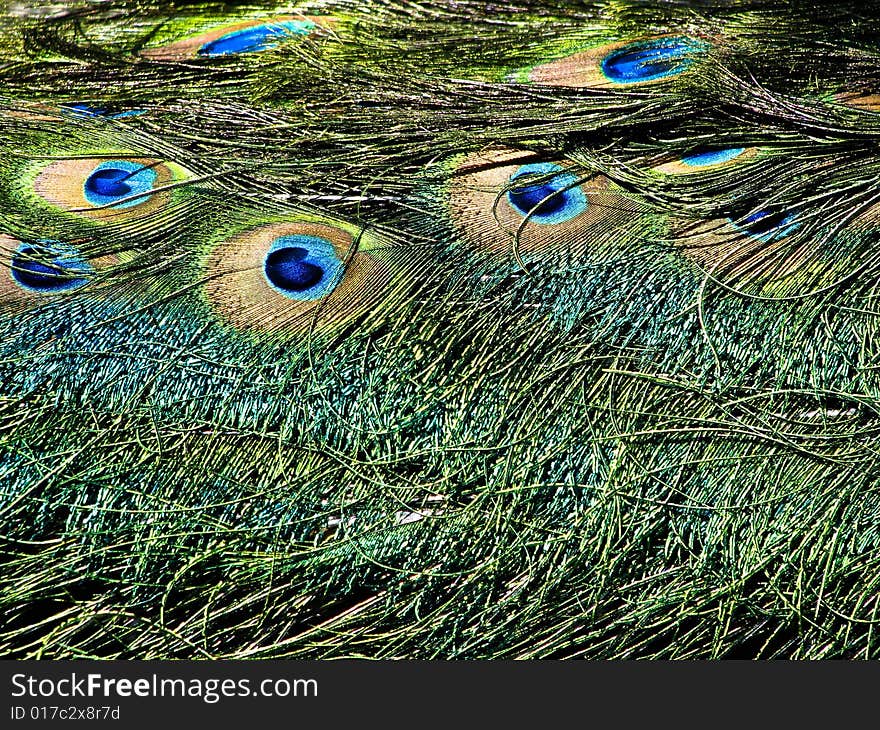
[(255, 38), (111, 188), (650, 60), (706, 158), (543, 196), (702, 159), (309, 274), (116, 180), (82, 109), (508, 203), (766, 225), (302, 267), (48, 268), (619, 63)]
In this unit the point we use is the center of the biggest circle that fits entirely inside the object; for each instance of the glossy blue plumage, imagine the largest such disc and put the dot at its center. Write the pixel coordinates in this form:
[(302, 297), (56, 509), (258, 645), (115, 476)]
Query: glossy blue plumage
[(544, 197), (64, 271), (116, 180), (650, 60), (256, 38), (302, 267)]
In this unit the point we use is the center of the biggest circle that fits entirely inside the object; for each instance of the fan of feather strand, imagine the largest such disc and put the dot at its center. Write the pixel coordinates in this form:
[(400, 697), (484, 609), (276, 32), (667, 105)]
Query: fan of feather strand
[(440, 329)]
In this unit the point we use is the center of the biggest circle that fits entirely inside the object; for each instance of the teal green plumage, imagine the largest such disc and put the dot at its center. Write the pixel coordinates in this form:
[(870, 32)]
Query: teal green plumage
[(439, 331)]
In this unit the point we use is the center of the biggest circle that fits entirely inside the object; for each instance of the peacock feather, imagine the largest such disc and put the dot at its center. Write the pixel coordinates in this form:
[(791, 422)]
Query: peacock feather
[(446, 329)]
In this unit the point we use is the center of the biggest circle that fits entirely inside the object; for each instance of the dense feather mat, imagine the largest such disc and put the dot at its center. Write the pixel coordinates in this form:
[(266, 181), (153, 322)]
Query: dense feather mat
[(439, 330)]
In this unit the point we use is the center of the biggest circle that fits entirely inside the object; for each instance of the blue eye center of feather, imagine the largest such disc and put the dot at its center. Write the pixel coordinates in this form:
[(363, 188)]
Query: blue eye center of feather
[(302, 267), (707, 158), (256, 38), (87, 110), (650, 60), (766, 225), (545, 197), (287, 269), (48, 268), (115, 180)]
